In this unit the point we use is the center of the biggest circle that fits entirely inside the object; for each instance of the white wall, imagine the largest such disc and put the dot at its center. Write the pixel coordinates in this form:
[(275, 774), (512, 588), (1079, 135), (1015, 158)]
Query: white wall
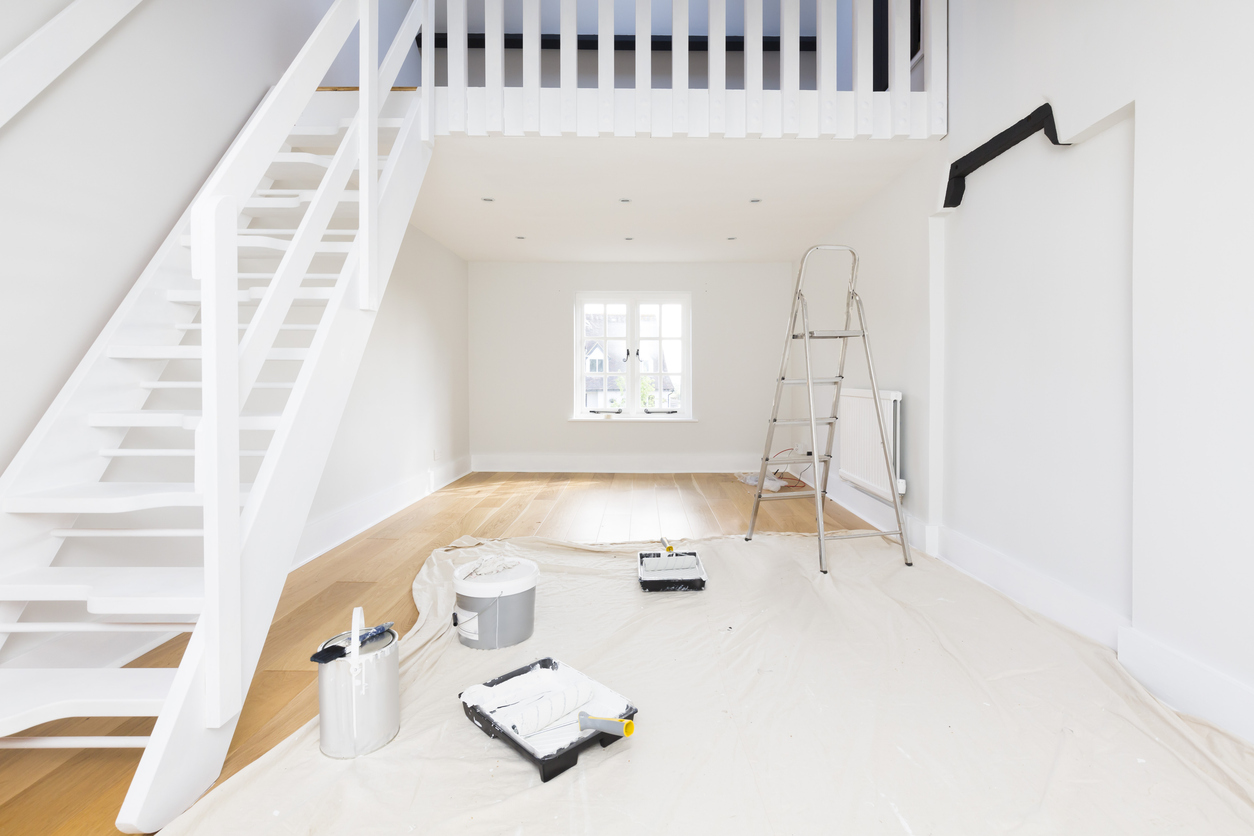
[(97, 169), (405, 431), (1039, 252), (521, 344)]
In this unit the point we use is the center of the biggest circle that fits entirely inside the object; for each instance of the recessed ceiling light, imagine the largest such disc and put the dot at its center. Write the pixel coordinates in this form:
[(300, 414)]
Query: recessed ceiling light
[(487, 199), (521, 237), (624, 200), (733, 238), (629, 239), (755, 200)]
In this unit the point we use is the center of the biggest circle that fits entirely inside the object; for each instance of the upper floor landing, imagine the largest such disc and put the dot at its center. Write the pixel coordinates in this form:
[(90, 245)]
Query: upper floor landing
[(840, 69)]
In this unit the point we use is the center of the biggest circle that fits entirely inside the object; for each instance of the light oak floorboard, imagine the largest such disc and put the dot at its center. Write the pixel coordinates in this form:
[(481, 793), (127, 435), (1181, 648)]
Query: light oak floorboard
[(79, 792)]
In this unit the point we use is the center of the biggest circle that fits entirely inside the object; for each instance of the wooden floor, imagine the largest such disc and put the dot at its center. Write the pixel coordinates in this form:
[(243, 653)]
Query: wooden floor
[(64, 792)]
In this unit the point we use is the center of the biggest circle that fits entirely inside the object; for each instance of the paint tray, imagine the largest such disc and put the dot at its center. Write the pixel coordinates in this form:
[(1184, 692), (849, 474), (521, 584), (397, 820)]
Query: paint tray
[(671, 571), (556, 748)]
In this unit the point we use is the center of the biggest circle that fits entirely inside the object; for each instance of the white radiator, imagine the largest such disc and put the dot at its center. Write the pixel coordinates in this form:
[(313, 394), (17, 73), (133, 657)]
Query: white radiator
[(861, 461)]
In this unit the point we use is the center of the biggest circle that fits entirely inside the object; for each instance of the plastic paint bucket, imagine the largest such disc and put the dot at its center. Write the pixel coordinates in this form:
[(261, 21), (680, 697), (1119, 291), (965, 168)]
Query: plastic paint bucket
[(496, 602), (359, 700)]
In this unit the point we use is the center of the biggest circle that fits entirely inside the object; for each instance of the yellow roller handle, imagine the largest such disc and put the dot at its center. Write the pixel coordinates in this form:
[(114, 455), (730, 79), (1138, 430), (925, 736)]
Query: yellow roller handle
[(610, 725)]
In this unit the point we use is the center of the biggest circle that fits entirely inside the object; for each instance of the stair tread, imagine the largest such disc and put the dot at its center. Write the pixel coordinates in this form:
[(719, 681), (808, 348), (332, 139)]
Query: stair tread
[(302, 294), (187, 419), (105, 498), (109, 590), (189, 352), (30, 696)]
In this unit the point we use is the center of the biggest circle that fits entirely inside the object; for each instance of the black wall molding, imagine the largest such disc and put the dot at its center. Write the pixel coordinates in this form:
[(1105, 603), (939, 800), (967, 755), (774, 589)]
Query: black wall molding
[(1041, 119)]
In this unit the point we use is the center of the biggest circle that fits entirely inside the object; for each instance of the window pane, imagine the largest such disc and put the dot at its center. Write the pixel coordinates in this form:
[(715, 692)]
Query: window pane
[(672, 321), (672, 355), (594, 356), (593, 392), (649, 320), (616, 320), (616, 361), (594, 320), (648, 391), (615, 391), (648, 356), (671, 394)]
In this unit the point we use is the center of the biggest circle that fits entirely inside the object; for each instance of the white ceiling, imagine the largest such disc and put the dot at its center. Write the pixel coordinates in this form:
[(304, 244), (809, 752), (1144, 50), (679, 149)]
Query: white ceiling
[(688, 196)]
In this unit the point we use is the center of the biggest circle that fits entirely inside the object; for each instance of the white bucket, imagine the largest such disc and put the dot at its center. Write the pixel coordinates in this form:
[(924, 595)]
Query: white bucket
[(359, 702), (496, 601)]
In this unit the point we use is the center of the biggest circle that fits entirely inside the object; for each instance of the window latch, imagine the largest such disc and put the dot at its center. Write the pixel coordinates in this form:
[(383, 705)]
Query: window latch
[(660, 411), (605, 411)]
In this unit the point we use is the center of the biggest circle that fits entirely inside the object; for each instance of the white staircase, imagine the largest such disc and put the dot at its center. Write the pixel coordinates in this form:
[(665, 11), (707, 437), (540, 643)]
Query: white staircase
[(166, 488)]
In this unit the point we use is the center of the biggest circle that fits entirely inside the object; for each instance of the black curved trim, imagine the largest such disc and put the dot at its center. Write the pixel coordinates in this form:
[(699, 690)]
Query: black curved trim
[(1041, 119)]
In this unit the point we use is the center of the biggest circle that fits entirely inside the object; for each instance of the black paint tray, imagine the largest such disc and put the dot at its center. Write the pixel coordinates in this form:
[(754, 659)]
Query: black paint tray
[(559, 749), (670, 571)]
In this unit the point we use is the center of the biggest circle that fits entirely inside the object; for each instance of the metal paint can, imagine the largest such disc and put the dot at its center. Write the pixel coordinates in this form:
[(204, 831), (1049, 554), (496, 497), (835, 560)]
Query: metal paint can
[(496, 608), (359, 700)]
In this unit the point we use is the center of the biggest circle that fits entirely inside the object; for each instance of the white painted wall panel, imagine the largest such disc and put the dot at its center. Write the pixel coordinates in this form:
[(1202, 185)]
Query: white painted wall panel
[(521, 345), (405, 431)]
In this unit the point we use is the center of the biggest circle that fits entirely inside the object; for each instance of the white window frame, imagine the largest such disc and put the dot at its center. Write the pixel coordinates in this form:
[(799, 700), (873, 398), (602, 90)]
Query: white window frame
[(632, 411)]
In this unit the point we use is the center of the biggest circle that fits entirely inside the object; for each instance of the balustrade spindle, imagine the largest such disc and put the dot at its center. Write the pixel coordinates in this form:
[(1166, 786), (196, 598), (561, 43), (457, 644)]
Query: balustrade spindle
[(644, 68), (531, 67), (679, 67), (716, 71), (753, 68)]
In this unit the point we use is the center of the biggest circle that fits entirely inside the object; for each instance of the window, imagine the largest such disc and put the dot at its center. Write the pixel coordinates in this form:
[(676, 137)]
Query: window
[(633, 355)]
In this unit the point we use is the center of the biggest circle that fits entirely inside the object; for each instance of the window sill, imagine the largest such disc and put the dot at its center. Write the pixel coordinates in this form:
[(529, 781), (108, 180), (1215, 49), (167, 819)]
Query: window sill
[(631, 419)]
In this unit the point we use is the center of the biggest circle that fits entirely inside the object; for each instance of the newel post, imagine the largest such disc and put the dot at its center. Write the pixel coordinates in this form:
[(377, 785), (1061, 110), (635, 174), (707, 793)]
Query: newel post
[(215, 264)]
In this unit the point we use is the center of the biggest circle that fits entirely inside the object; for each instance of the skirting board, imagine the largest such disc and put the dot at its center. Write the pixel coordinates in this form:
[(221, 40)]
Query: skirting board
[(1188, 685), (613, 462), (1050, 597), (877, 513), (330, 530)]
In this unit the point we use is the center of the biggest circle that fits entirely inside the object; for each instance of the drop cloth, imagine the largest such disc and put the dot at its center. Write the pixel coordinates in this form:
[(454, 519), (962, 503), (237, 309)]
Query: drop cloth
[(878, 699)]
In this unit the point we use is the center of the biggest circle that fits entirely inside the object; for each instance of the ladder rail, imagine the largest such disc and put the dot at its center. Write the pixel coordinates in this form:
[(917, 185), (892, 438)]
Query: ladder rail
[(820, 489)]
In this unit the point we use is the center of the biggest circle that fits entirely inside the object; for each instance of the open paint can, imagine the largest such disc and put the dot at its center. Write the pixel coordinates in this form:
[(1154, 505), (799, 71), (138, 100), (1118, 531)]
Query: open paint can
[(359, 701), (496, 601)]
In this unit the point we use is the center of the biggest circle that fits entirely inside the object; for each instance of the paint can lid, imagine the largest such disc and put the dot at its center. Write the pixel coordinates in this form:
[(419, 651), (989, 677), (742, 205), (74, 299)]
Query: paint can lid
[(374, 644), (495, 576)]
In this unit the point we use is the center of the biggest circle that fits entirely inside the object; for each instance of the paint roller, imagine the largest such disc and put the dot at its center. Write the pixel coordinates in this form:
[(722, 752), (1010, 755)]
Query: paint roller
[(538, 715)]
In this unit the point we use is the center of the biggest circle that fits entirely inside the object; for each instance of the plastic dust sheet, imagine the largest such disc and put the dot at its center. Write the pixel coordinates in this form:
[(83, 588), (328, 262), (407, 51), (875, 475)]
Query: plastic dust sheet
[(877, 699)]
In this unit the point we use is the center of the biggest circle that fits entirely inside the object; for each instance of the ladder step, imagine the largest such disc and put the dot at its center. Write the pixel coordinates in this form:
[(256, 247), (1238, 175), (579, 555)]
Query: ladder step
[(128, 532), (829, 335), (31, 696), (787, 495), (799, 459), (805, 421), (801, 381), (112, 590), (187, 420), (175, 453), (189, 352), (107, 741)]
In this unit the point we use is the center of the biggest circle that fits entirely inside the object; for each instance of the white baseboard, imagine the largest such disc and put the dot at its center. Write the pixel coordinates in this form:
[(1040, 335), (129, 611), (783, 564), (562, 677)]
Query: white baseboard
[(878, 513), (330, 530), (613, 462), (1188, 685), (1048, 596)]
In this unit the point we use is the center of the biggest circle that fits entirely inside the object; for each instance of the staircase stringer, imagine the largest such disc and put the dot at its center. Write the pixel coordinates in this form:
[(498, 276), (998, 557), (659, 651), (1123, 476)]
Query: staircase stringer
[(184, 756)]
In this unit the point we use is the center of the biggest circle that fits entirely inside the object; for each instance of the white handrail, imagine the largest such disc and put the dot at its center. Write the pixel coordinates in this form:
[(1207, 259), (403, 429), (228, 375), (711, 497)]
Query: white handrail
[(27, 69), (231, 366)]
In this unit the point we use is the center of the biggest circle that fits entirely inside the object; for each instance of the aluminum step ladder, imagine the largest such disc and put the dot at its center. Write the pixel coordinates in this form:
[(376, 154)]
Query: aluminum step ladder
[(822, 463)]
